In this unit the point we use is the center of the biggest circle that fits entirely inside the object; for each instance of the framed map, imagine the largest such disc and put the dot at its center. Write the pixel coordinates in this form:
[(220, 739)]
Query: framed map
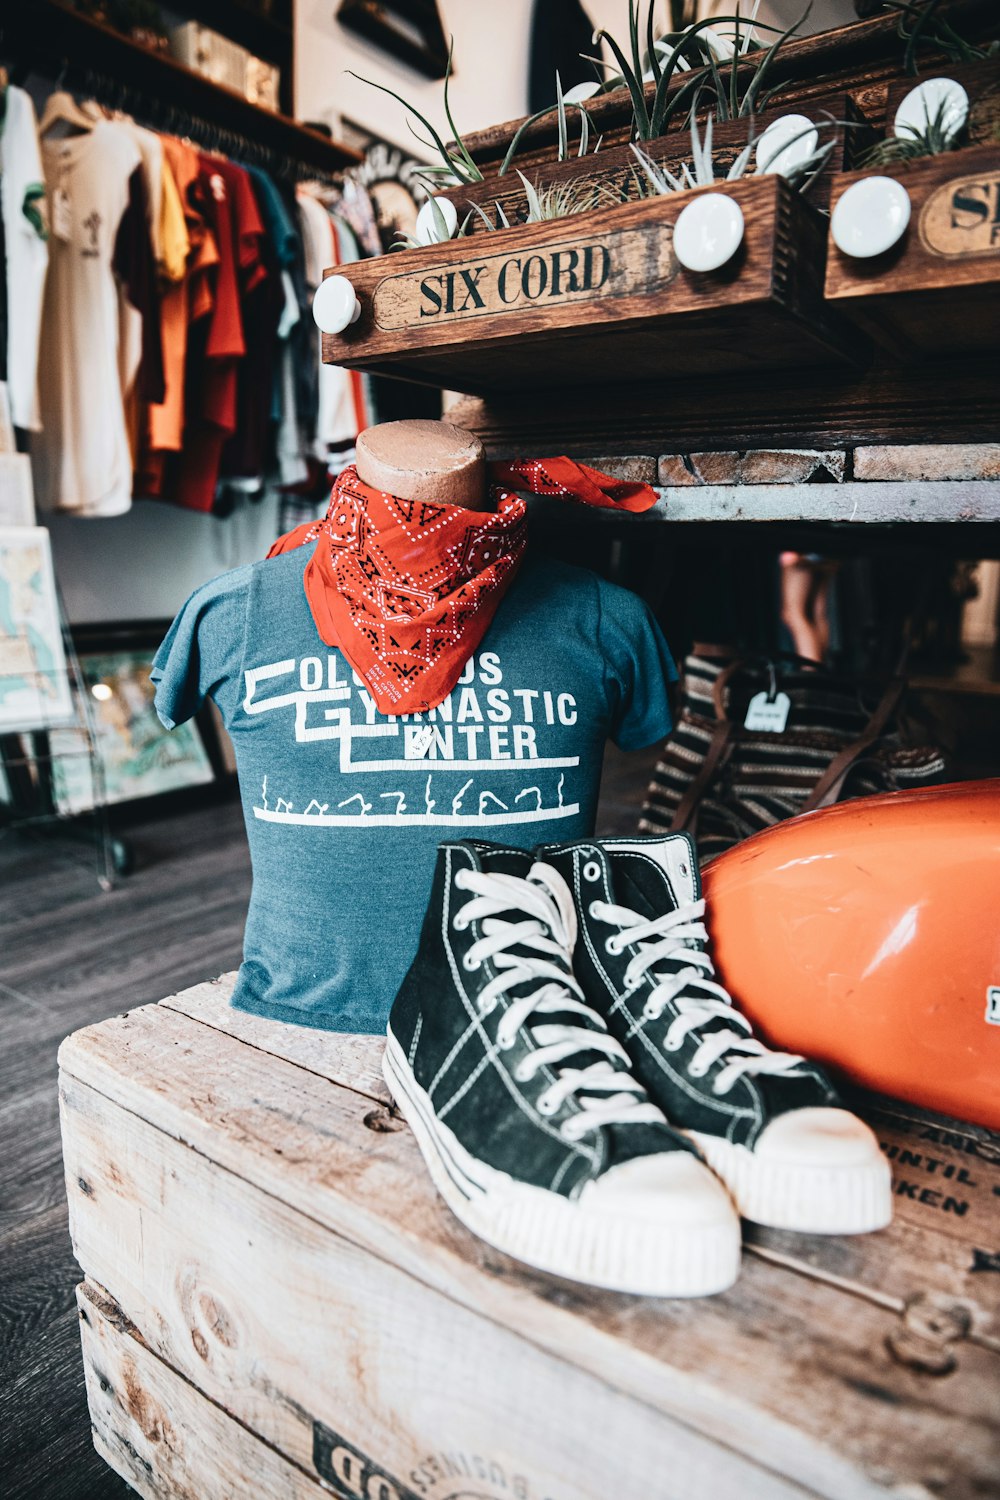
[(34, 681), (139, 758)]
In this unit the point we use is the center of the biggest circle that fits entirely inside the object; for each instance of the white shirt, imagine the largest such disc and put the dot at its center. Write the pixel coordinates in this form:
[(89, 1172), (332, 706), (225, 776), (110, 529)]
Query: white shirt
[(336, 423), (22, 190), (82, 460)]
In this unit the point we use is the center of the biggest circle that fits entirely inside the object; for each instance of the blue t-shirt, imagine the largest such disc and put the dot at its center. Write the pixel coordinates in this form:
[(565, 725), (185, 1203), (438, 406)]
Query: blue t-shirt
[(345, 806)]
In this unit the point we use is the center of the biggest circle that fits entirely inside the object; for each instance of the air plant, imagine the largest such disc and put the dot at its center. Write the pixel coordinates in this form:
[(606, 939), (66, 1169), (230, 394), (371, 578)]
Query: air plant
[(561, 105), (920, 25), (698, 49), (456, 166), (656, 179), (934, 138)]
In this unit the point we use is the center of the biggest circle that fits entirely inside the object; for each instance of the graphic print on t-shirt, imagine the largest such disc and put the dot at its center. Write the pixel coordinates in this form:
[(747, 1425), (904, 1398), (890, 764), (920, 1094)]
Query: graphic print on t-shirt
[(475, 760)]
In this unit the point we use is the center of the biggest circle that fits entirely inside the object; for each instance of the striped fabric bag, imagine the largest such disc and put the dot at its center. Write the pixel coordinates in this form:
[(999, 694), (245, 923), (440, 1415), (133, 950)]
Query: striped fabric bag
[(759, 740)]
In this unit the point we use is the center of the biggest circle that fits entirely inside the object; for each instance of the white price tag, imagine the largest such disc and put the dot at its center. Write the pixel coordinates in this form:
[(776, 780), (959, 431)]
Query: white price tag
[(62, 218), (768, 714), (420, 742)]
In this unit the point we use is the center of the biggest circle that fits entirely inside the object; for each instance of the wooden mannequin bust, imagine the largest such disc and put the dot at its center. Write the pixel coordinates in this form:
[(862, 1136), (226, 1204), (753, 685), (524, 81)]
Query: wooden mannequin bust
[(424, 460)]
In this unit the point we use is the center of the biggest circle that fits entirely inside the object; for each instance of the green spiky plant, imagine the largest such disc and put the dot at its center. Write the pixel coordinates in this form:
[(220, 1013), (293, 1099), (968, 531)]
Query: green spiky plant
[(737, 95), (920, 25), (930, 139), (456, 166), (560, 107), (560, 200), (656, 179)]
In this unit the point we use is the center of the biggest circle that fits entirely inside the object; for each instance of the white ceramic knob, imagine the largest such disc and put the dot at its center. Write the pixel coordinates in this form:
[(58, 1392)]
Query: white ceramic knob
[(935, 98), (786, 144), (335, 305), (708, 232), (430, 229), (871, 217)]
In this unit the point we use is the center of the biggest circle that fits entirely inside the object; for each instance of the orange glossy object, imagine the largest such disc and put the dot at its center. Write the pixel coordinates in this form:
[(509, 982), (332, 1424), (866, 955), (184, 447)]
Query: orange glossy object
[(867, 936)]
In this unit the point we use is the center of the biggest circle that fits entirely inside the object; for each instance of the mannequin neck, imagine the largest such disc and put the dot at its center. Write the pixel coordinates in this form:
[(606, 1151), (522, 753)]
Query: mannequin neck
[(432, 462)]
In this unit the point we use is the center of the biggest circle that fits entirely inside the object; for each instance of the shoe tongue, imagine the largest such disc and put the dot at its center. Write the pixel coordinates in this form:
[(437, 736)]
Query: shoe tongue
[(496, 859), (653, 876)]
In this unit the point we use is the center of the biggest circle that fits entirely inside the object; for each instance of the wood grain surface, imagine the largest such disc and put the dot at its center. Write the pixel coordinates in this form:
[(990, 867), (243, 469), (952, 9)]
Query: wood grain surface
[(600, 292), (816, 1367)]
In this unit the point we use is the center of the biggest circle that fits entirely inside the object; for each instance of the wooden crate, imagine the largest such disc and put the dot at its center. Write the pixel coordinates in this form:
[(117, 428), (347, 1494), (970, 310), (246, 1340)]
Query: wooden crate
[(615, 168), (277, 1304), (939, 290), (598, 297)]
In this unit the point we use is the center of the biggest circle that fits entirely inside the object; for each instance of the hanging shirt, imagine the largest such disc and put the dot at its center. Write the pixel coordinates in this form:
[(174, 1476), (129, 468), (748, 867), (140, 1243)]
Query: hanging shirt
[(262, 301), (345, 807), (82, 461), (216, 344), (183, 303), (336, 421), (25, 223)]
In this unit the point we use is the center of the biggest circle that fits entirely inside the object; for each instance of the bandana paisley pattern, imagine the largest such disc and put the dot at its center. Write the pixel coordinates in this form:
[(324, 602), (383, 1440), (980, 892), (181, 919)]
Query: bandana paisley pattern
[(407, 589)]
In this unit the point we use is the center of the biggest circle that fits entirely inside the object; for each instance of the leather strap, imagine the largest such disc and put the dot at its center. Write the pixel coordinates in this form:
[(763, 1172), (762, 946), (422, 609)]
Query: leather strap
[(685, 819), (831, 783)]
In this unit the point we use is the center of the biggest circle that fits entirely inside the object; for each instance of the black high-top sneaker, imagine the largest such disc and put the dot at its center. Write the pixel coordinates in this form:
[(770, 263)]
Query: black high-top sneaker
[(769, 1123), (532, 1127)]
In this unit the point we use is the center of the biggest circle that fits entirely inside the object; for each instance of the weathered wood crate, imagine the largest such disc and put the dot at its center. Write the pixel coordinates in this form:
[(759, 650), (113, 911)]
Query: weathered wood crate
[(939, 289), (599, 297), (277, 1304)]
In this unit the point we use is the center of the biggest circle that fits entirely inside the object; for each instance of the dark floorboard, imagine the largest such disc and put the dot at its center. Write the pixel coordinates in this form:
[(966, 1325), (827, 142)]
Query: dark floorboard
[(71, 955)]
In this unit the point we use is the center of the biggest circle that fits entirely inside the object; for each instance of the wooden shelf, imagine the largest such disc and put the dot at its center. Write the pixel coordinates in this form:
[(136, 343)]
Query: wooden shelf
[(44, 34), (938, 291), (594, 299)]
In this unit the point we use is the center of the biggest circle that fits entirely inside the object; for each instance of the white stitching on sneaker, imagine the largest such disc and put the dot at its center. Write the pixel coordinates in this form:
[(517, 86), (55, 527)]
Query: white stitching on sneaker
[(548, 934), (738, 1112)]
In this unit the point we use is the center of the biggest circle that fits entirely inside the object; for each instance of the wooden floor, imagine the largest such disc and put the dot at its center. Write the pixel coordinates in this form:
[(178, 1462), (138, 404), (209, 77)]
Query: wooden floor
[(71, 955)]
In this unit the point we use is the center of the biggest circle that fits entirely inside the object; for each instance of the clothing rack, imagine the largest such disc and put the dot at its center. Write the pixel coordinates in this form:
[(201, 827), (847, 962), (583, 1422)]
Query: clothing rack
[(157, 114), (44, 37)]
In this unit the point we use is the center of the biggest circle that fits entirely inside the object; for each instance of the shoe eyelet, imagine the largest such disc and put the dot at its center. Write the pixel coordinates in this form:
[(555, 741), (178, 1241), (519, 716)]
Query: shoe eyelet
[(462, 880), (470, 963), (522, 1074), (460, 923), (594, 910), (669, 1046), (612, 946), (592, 870), (683, 869), (545, 1105), (504, 1042), (650, 1012), (695, 1070), (486, 1007)]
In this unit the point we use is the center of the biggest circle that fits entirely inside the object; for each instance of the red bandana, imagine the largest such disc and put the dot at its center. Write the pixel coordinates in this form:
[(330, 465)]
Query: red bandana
[(407, 589)]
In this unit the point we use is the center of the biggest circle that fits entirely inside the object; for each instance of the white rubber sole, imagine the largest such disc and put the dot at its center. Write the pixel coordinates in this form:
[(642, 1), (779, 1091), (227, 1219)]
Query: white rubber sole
[(563, 1236), (848, 1199)]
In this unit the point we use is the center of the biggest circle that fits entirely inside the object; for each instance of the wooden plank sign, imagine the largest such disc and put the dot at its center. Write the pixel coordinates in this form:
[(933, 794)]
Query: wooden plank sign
[(939, 289), (277, 1302), (600, 292)]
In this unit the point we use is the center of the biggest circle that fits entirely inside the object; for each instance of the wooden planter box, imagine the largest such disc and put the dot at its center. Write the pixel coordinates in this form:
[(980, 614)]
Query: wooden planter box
[(616, 166), (598, 297), (939, 289), (278, 1304), (981, 81)]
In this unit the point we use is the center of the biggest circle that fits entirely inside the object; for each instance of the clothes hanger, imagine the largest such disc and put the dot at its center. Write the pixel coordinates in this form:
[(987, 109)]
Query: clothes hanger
[(61, 109)]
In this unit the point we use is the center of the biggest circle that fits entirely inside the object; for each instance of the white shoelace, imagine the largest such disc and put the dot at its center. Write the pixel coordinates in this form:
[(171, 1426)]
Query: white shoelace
[(548, 933), (672, 936)]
